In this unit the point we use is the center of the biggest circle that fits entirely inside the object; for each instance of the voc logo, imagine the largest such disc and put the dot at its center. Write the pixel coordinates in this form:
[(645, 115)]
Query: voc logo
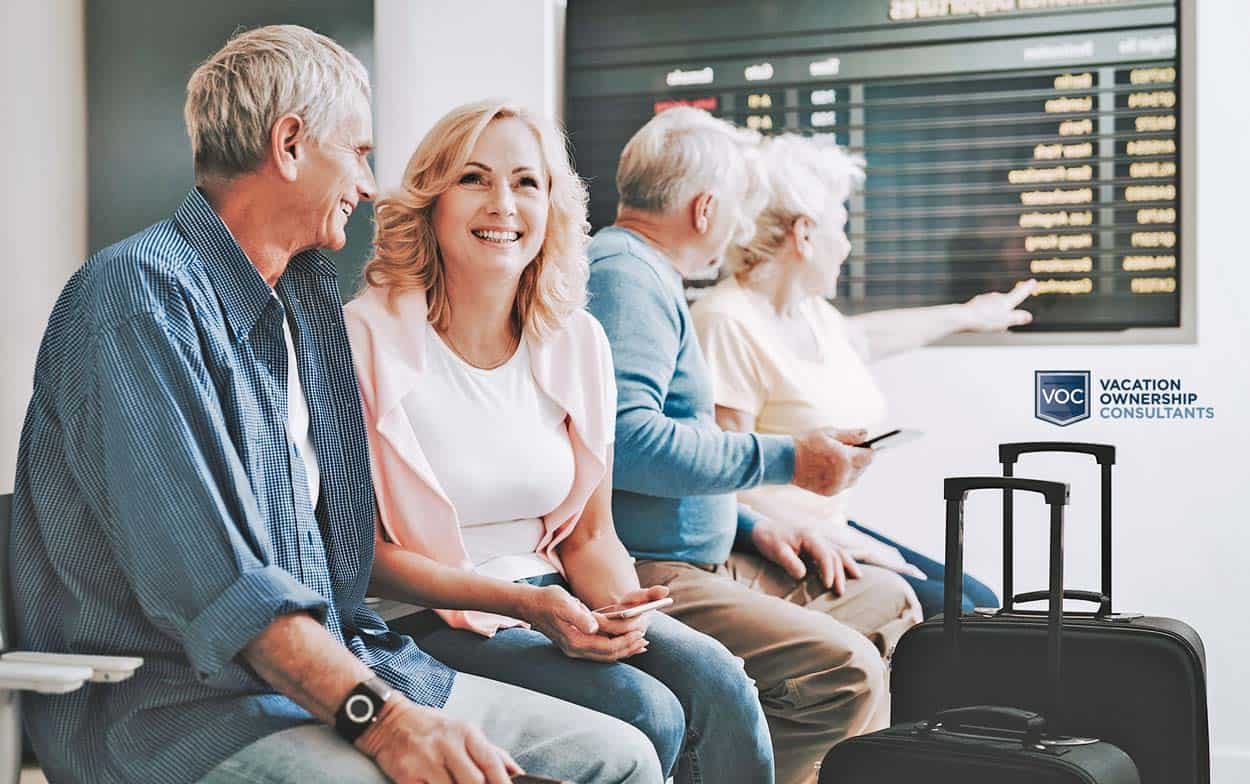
[(1061, 397)]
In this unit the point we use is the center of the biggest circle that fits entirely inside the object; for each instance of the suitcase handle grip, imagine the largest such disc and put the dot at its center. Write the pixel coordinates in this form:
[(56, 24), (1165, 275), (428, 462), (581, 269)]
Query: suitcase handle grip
[(955, 488), (1103, 453), (1032, 724), (1102, 600)]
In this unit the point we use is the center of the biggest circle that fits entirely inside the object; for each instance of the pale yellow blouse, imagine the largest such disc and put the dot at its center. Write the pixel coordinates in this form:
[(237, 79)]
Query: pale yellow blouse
[(755, 369)]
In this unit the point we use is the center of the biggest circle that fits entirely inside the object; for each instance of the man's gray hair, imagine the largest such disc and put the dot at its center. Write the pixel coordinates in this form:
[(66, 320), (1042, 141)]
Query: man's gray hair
[(235, 96), (682, 152)]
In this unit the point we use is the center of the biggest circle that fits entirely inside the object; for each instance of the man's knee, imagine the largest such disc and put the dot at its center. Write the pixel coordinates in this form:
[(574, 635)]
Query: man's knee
[(891, 593), (879, 604), (308, 754), (866, 671), (837, 678), (624, 754)]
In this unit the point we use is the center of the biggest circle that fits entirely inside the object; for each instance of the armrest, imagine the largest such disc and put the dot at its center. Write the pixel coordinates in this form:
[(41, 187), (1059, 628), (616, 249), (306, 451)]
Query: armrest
[(43, 678), (101, 669)]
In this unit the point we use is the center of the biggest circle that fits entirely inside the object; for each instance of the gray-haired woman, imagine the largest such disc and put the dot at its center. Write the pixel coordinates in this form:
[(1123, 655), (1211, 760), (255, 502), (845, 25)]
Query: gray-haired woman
[(784, 360)]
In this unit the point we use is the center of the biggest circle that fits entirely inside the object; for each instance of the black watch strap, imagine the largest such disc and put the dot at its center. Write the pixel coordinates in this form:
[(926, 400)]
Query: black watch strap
[(361, 708)]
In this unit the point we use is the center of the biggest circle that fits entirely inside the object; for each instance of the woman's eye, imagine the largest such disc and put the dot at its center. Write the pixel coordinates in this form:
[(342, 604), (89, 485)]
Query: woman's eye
[(472, 178), (529, 182)]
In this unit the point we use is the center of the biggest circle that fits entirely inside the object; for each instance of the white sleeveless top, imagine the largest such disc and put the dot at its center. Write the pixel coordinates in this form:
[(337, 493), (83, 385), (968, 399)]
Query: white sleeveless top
[(500, 449)]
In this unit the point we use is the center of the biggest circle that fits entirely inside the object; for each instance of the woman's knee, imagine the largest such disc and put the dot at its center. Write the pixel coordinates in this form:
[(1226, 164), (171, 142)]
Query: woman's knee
[(721, 683), (727, 718), (646, 703)]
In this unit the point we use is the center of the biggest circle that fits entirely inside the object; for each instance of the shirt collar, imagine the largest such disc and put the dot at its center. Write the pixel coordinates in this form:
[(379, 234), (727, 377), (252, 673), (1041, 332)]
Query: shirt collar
[(244, 293)]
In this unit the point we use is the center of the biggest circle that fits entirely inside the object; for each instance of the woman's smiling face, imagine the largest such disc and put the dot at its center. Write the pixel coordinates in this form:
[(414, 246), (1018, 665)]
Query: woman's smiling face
[(494, 218)]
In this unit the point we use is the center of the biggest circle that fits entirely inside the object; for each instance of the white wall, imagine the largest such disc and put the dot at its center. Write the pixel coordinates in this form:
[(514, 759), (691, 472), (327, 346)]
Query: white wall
[(1181, 528), (433, 55), (43, 206)]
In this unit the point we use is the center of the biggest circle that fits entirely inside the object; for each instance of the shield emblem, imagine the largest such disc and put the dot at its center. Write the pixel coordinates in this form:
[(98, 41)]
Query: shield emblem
[(1061, 397)]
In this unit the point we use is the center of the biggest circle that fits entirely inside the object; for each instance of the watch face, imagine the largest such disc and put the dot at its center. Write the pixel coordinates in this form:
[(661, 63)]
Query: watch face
[(359, 709)]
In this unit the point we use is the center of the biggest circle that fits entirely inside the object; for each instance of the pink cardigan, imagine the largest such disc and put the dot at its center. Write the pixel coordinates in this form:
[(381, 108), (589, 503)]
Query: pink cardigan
[(573, 366)]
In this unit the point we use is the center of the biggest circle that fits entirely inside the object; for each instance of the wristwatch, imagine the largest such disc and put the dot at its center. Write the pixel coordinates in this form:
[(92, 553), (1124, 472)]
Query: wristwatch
[(361, 708)]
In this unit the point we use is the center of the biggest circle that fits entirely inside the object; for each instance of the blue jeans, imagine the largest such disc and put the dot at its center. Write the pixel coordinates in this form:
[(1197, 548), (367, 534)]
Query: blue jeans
[(545, 736), (931, 589), (686, 687)]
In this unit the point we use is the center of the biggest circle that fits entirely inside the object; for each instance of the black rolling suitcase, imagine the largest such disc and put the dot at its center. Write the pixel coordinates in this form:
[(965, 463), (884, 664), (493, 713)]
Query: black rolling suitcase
[(1136, 681), (983, 744)]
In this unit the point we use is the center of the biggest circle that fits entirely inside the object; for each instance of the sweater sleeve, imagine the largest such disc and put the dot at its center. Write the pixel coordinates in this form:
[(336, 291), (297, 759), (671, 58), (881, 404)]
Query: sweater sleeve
[(655, 454)]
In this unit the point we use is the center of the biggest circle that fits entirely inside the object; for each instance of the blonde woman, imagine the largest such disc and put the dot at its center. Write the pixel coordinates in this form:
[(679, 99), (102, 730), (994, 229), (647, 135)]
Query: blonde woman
[(784, 360), (490, 402)]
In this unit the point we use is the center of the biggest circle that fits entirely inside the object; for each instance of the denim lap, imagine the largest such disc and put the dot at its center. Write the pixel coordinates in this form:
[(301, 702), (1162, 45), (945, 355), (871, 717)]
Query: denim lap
[(685, 687), (727, 730), (526, 658)]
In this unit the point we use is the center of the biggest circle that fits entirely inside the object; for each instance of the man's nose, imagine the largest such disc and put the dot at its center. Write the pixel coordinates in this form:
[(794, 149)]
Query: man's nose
[(367, 186)]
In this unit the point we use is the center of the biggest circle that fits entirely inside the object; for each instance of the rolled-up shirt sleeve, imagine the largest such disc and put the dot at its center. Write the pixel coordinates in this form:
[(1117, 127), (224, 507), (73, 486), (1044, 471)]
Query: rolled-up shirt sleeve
[(173, 495)]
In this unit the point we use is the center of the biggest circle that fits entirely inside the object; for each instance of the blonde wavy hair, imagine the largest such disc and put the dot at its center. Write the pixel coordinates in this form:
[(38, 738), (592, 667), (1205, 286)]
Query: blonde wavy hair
[(406, 253), (807, 177)]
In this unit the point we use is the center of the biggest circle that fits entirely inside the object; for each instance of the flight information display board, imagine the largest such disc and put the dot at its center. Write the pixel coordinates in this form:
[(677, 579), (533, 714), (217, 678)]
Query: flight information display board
[(1004, 139)]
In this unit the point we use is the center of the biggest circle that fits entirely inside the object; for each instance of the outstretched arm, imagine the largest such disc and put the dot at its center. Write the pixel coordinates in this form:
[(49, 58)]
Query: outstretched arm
[(887, 332)]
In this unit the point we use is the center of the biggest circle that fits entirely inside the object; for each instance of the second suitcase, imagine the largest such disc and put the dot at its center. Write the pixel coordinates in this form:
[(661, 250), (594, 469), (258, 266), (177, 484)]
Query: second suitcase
[(984, 744), (1136, 681)]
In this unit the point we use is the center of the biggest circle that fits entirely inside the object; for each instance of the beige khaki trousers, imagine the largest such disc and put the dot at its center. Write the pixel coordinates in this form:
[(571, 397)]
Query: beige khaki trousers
[(818, 659)]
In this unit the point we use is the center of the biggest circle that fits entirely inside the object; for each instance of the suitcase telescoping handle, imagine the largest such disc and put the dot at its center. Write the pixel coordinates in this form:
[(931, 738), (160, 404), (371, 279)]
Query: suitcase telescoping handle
[(1008, 454), (1056, 494)]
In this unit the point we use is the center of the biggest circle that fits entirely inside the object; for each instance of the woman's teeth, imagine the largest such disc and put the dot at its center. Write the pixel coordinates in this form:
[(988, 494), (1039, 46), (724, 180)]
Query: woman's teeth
[(501, 237)]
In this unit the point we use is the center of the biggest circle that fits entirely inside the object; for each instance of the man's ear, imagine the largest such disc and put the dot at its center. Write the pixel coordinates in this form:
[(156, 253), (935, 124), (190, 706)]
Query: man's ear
[(701, 212), (286, 145), (801, 236)]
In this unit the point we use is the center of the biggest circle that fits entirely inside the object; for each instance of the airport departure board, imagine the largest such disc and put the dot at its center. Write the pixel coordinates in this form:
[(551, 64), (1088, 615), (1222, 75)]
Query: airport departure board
[(1004, 139)]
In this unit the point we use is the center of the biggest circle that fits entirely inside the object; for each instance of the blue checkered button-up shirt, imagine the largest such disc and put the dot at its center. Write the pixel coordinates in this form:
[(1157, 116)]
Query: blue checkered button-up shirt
[(161, 509)]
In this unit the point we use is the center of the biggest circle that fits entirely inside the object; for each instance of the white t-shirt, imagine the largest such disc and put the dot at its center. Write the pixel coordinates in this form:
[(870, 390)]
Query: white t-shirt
[(298, 422), (500, 449), (756, 370)]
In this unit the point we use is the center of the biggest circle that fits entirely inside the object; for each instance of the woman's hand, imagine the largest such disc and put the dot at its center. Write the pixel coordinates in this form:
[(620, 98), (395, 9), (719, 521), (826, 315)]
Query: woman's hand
[(996, 312), (618, 627), (574, 629)]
